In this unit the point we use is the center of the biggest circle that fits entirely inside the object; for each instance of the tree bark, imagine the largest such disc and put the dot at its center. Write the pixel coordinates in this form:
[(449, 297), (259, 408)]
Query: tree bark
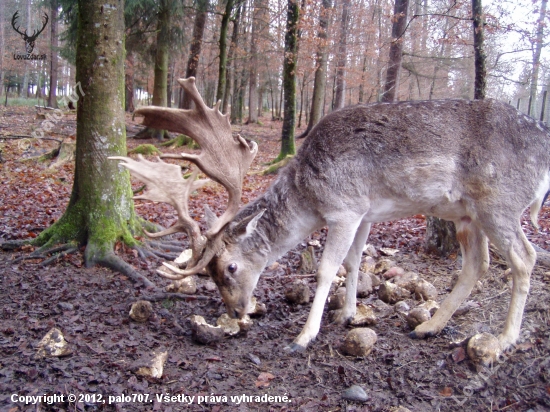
[(320, 81), (396, 50), (222, 68), (100, 210), (195, 49), (129, 83), (2, 45), (288, 146), (480, 83), (160, 81), (230, 55), (258, 27), (536, 59), (52, 96), (342, 57)]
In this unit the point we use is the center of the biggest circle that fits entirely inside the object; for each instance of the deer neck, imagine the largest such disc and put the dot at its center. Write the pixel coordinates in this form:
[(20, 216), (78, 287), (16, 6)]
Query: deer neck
[(287, 219)]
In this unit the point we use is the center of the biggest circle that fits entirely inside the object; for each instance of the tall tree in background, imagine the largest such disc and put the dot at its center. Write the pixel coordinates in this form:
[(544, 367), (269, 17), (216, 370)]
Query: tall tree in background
[(100, 210), (201, 17), (160, 85), (222, 67), (258, 27), (230, 59), (536, 58), (52, 96), (342, 57), (2, 45), (320, 82), (480, 83), (396, 50), (288, 146)]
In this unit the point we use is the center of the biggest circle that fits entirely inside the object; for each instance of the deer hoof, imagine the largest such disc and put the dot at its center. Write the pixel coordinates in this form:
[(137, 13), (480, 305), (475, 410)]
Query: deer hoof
[(294, 348), (421, 335), (338, 317)]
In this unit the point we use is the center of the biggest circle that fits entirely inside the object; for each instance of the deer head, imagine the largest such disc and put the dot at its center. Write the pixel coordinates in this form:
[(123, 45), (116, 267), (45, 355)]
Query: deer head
[(29, 40), (223, 157)]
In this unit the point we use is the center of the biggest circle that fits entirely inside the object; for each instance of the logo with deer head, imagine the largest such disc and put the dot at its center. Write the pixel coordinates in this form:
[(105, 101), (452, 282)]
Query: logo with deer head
[(29, 40)]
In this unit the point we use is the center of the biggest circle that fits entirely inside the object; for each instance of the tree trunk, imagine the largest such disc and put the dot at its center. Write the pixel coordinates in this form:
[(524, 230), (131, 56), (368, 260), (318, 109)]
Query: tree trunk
[(258, 25), (288, 146), (223, 49), (342, 57), (320, 81), (536, 59), (230, 64), (396, 50), (25, 87), (100, 210), (160, 82), (440, 236), (195, 49), (129, 83), (480, 83), (52, 96), (2, 45)]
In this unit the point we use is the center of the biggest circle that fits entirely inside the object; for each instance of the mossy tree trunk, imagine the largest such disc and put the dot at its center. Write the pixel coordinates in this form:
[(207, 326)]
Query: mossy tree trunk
[(288, 146), (100, 210)]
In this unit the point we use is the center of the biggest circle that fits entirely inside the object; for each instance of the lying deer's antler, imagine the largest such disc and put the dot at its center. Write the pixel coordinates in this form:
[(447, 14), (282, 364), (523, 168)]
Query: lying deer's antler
[(223, 158)]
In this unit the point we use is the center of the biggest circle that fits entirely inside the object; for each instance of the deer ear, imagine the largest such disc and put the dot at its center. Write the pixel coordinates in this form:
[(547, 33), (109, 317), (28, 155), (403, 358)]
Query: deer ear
[(210, 217), (245, 227)]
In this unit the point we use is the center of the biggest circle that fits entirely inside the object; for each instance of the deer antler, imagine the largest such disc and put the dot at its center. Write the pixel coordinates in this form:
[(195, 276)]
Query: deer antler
[(223, 158), (36, 33), (13, 22), (165, 183)]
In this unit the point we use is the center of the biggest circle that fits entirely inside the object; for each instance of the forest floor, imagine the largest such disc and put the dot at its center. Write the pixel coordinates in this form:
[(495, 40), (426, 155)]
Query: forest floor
[(90, 306)]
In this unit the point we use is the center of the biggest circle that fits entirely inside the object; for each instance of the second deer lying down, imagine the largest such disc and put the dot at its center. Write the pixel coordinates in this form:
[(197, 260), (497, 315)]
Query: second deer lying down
[(479, 164)]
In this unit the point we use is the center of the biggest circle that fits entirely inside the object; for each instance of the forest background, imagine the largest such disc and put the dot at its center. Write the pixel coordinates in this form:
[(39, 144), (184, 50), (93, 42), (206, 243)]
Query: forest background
[(236, 50)]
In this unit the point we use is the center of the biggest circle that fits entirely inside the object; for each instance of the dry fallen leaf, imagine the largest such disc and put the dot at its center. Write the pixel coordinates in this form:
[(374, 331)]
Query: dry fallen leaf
[(263, 380), (459, 354), (446, 391)]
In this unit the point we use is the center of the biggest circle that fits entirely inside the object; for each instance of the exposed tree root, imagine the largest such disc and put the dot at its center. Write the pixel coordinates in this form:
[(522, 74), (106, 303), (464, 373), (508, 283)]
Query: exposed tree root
[(112, 261), (55, 258), (167, 245)]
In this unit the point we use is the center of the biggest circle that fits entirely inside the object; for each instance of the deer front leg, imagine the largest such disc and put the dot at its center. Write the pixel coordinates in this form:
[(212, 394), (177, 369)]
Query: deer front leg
[(475, 263), (352, 263), (340, 238)]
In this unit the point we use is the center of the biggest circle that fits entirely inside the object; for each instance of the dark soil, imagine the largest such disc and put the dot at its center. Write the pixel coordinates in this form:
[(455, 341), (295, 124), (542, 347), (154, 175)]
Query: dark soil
[(90, 306)]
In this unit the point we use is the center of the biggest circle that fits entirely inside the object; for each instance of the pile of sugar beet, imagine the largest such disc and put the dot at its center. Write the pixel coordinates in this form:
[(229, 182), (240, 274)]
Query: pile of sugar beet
[(410, 297)]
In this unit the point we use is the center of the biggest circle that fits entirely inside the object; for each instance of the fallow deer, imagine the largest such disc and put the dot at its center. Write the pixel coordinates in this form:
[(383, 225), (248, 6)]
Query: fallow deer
[(479, 164)]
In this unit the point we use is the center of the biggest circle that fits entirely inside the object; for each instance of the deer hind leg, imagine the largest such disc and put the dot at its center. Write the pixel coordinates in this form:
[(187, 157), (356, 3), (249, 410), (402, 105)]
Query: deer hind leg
[(352, 263), (340, 237), (475, 262), (521, 258)]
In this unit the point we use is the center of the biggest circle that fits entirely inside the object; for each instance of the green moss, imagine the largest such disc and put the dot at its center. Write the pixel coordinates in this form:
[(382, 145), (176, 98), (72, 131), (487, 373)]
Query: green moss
[(274, 167), (181, 141), (146, 150)]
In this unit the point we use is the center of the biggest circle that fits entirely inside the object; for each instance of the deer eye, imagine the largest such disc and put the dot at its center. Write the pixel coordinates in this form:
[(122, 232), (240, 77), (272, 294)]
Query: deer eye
[(232, 268)]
